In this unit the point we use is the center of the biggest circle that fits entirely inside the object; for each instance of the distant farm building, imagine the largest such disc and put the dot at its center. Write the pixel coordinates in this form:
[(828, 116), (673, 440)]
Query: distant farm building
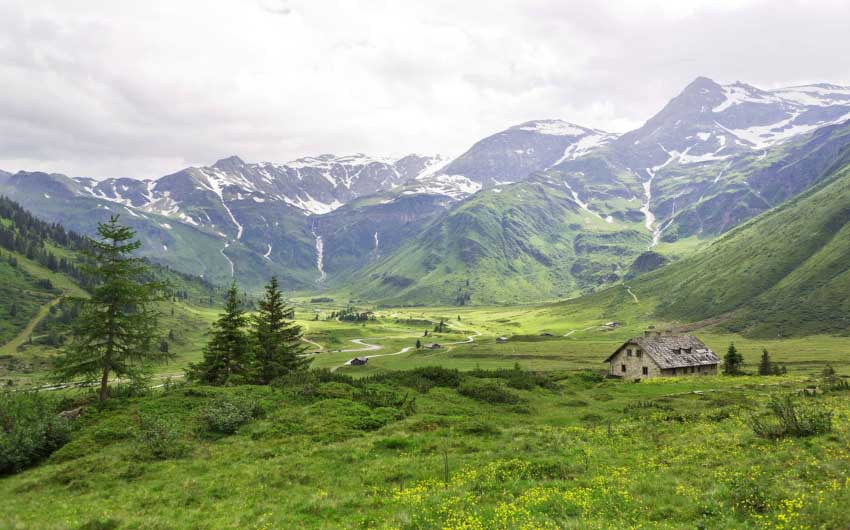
[(502, 340), (433, 346), (662, 354), (358, 361)]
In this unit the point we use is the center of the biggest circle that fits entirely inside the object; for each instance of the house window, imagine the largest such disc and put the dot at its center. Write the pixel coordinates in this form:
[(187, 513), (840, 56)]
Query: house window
[(639, 353), (629, 352), (623, 367), (645, 370)]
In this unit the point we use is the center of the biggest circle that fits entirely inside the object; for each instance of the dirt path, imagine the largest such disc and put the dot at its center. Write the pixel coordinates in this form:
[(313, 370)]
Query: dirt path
[(366, 347), (369, 347), (318, 346), (629, 289), (469, 339), (570, 332), (12, 346)]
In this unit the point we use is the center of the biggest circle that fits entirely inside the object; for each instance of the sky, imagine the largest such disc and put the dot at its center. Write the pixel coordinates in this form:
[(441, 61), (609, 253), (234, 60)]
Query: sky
[(122, 88)]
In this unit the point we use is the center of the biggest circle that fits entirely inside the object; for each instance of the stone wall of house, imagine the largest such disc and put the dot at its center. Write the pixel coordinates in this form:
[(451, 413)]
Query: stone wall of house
[(634, 364), (697, 370)]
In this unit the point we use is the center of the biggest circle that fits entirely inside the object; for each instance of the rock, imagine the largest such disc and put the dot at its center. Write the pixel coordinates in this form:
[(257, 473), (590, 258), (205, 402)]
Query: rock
[(71, 415)]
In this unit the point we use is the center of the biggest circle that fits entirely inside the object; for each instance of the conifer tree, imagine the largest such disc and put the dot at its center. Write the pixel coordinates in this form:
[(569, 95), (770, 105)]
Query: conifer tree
[(732, 361), (278, 348), (115, 332), (227, 354), (765, 366), (418, 344)]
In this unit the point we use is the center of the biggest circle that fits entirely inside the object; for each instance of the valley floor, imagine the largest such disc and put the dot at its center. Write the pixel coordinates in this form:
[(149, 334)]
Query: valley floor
[(375, 447)]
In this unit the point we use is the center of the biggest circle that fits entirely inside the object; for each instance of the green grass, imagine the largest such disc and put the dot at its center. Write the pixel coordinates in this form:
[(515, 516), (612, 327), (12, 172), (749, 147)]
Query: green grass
[(579, 453)]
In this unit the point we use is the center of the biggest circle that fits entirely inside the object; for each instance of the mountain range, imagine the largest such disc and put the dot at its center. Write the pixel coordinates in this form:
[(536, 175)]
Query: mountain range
[(544, 209)]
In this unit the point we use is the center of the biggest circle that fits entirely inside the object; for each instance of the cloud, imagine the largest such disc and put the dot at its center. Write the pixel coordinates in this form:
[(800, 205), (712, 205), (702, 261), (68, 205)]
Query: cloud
[(103, 88), (278, 7)]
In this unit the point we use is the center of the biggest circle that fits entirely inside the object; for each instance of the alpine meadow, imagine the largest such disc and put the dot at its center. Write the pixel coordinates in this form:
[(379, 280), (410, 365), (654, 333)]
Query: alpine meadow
[(500, 265)]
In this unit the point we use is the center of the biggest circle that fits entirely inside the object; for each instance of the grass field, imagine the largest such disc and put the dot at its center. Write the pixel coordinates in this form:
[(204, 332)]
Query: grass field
[(425, 452)]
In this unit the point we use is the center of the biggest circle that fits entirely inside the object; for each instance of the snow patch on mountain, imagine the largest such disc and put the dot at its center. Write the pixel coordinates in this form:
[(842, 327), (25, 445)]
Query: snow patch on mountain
[(553, 127)]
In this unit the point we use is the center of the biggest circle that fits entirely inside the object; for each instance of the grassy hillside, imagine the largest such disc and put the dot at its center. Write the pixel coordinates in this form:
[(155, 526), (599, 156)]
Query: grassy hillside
[(435, 450), (787, 272), (39, 272), (523, 242)]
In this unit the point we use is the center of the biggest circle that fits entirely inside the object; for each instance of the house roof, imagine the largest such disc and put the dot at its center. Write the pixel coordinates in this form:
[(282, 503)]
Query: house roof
[(673, 351)]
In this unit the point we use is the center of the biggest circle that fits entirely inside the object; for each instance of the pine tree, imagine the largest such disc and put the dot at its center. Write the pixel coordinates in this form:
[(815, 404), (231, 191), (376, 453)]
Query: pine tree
[(278, 348), (732, 361), (765, 366), (418, 344), (163, 346), (227, 354), (115, 332)]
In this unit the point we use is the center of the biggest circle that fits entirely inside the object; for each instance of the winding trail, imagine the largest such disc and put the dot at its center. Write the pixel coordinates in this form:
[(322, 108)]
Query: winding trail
[(371, 347), (366, 347)]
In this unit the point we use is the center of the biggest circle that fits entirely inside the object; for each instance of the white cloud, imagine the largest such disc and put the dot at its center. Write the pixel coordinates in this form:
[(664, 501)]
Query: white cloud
[(114, 88)]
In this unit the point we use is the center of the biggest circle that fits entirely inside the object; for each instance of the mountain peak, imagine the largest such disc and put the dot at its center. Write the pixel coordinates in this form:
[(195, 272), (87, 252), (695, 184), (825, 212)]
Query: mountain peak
[(554, 127), (229, 163)]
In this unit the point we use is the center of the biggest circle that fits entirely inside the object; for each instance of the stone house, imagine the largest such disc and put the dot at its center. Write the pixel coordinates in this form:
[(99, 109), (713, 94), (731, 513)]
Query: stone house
[(661, 354), (358, 361)]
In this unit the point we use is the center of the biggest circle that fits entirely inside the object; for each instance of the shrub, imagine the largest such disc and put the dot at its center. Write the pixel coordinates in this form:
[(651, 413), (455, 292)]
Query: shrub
[(420, 379), (30, 430), (788, 417), (226, 415), (487, 391), (516, 377), (158, 439)]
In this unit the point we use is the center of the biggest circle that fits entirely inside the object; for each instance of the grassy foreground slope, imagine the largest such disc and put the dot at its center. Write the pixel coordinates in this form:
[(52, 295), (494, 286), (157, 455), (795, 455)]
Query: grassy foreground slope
[(439, 450)]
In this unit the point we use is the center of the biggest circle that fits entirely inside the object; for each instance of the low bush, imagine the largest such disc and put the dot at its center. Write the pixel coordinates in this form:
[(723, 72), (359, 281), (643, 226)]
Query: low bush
[(158, 439), (786, 416), (420, 379), (516, 377), (226, 414), (30, 430), (487, 391)]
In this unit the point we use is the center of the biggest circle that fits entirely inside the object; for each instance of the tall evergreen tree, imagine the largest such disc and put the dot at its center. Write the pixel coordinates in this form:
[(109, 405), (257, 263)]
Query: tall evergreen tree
[(115, 332), (765, 365), (278, 347), (227, 355), (732, 361)]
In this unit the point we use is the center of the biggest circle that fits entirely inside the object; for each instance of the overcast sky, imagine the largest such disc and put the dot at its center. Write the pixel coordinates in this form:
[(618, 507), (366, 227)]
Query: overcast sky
[(108, 88)]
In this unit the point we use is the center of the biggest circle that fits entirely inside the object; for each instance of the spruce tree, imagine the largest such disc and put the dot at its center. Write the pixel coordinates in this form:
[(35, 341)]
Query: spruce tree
[(732, 361), (227, 354), (765, 366), (418, 344), (115, 332), (278, 348)]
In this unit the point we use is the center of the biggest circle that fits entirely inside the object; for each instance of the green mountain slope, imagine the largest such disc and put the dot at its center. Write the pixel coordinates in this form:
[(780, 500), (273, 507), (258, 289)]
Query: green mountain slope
[(786, 272), (521, 242), (39, 267)]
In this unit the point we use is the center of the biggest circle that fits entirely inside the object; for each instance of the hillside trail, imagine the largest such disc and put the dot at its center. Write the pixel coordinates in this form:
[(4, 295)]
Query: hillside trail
[(366, 347), (570, 332), (318, 346), (629, 289), (12, 346)]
